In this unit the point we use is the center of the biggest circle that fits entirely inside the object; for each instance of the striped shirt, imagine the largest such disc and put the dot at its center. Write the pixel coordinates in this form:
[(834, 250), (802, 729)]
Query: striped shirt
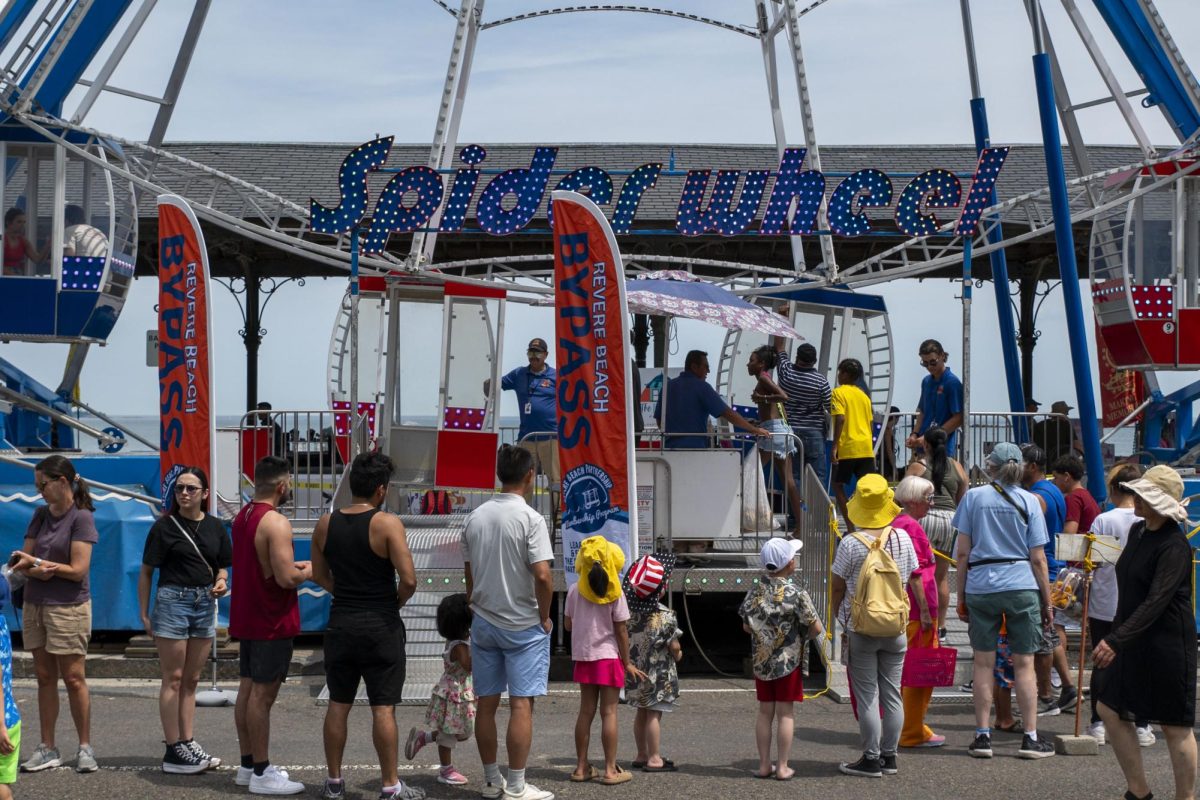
[(808, 394)]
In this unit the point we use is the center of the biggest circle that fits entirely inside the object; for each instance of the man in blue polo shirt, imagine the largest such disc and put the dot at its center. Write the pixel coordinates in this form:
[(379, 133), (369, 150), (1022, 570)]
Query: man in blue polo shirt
[(690, 402), (538, 404), (941, 399)]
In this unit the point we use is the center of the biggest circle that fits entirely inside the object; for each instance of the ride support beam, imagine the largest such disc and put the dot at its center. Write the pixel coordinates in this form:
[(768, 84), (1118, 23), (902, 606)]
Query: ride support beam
[(252, 336), (1064, 238)]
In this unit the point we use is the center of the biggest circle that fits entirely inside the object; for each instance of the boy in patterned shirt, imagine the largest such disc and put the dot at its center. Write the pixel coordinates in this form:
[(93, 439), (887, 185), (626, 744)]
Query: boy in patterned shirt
[(10, 733), (779, 616), (654, 649)]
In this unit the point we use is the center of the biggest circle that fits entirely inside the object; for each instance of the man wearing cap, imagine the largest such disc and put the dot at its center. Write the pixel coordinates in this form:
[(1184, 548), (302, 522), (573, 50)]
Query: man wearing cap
[(538, 404), (1002, 578), (1054, 433), (807, 406), (941, 398), (690, 402)]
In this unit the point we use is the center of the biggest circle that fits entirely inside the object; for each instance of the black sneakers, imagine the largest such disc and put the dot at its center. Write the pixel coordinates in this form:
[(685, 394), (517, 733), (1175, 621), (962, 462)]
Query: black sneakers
[(1067, 698), (863, 768), (982, 746), (887, 764), (180, 760), (1035, 749)]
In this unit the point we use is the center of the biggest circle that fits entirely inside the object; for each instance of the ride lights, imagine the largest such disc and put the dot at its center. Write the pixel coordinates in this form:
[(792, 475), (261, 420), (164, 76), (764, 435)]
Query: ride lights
[(392, 214), (638, 183), (528, 185), (597, 181), (82, 273), (352, 183), (720, 216), (341, 416), (867, 188), (1153, 302), (934, 188), (465, 181), (982, 194), (467, 419)]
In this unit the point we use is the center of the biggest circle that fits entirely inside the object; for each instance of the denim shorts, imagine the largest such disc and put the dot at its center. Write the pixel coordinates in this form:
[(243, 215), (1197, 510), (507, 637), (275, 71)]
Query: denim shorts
[(517, 661), (184, 612)]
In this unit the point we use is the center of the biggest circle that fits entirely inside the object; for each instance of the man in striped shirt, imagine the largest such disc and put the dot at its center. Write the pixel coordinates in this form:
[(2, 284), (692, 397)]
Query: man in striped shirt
[(807, 406)]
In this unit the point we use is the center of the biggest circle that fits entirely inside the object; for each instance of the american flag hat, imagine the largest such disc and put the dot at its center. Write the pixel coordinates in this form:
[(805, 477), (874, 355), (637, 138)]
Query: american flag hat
[(645, 578)]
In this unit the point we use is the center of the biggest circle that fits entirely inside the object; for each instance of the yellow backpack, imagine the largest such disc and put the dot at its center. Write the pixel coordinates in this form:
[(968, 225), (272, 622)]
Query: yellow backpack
[(880, 604)]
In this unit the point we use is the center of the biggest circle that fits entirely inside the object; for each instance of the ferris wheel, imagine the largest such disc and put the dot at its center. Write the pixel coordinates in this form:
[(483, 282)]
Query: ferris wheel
[(50, 50)]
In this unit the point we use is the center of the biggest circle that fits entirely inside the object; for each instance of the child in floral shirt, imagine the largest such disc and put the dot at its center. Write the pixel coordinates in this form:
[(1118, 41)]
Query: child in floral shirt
[(654, 648), (779, 616)]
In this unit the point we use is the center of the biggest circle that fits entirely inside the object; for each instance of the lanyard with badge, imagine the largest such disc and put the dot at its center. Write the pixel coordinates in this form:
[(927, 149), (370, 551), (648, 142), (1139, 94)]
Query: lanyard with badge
[(530, 381)]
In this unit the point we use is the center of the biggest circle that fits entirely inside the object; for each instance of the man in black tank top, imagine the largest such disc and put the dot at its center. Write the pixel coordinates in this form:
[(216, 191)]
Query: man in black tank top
[(360, 556)]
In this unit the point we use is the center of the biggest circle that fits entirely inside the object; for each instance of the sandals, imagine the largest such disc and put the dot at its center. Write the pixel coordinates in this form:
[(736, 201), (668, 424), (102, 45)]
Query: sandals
[(592, 774), (667, 766), (768, 776), (621, 777), (1016, 727)]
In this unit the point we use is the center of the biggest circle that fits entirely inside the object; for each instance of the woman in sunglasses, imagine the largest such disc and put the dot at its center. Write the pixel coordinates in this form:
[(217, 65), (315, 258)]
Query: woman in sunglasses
[(191, 551)]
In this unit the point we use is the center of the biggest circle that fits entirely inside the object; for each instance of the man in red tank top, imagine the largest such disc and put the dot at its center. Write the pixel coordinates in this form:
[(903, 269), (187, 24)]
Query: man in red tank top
[(265, 617)]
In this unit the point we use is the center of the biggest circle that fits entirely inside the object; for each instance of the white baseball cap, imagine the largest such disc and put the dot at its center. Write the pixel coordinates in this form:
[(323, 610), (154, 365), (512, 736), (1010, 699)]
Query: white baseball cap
[(777, 552)]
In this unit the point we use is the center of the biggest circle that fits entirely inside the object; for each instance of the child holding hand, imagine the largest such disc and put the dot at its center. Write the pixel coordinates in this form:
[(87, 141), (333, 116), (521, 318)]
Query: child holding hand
[(595, 613), (654, 648)]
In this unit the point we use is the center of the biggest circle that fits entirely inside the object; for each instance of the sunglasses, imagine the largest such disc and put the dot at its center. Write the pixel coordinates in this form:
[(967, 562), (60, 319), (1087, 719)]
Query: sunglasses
[(182, 488), (534, 352), (931, 363), (42, 485)]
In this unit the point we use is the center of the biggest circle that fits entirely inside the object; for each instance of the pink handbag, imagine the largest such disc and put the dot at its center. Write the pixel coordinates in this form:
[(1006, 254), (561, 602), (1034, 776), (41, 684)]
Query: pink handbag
[(929, 666)]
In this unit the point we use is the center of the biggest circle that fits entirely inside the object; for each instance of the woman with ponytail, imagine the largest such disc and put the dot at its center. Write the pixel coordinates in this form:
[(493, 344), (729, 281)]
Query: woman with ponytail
[(950, 483), (57, 618), (595, 613)]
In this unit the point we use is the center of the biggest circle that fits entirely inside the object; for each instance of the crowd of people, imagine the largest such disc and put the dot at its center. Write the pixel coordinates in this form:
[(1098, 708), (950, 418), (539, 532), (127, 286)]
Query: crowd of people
[(889, 582)]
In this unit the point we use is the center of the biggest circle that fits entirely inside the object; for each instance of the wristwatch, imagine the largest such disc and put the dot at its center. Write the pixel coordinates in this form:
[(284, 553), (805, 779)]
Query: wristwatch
[(37, 562)]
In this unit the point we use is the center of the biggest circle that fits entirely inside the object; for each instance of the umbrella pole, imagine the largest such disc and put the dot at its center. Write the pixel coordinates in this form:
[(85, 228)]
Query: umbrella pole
[(215, 696)]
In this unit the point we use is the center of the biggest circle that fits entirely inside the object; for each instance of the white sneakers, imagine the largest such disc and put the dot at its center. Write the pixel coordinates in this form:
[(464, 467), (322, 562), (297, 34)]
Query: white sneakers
[(273, 781), (1096, 731), (1146, 736), (530, 792)]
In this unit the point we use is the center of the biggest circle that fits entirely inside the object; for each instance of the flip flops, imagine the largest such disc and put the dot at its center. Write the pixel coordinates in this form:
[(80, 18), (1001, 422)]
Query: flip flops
[(768, 776), (667, 766), (592, 774), (621, 777)]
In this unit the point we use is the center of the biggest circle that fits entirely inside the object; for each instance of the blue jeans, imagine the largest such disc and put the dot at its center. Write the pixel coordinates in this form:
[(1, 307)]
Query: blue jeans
[(518, 661), (814, 454), (184, 612)]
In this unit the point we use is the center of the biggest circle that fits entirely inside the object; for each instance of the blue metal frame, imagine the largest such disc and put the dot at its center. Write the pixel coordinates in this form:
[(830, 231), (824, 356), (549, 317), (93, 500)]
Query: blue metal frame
[(1068, 271), (1135, 33)]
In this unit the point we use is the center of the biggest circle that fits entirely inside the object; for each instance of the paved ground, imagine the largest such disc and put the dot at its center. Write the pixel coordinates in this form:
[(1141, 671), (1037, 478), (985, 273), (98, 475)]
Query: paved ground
[(711, 738)]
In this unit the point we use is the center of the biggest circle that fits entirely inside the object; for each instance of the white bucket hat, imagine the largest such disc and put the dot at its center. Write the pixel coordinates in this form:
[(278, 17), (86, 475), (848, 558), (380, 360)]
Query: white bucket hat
[(1161, 488)]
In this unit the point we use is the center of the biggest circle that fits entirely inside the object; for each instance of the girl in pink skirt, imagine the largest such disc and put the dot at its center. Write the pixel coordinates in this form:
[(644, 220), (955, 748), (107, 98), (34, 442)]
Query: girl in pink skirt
[(595, 614)]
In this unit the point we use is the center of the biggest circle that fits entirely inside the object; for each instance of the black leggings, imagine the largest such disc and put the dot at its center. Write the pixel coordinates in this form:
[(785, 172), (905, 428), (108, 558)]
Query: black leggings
[(1097, 630)]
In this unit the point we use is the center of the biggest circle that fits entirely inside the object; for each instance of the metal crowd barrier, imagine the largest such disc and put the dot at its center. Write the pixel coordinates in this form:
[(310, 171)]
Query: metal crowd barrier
[(1054, 433)]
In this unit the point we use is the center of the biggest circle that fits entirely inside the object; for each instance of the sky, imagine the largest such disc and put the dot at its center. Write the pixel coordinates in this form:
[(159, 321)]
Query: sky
[(879, 72)]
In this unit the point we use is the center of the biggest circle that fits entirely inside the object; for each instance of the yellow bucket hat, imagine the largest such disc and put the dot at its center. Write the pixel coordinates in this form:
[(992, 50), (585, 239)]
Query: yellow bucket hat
[(610, 557), (872, 505)]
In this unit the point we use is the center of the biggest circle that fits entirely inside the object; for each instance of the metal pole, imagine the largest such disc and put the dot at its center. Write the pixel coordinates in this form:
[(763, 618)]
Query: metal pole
[(964, 447), (354, 246), (1068, 271), (994, 233), (252, 338), (178, 72)]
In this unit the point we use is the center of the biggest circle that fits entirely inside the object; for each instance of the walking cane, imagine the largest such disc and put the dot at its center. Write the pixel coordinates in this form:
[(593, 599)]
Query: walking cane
[(215, 696)]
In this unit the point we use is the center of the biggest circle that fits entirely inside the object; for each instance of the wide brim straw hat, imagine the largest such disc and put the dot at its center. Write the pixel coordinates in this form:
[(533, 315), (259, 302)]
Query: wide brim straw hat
[(873, 504), (1161, 489), (610, 557), (644, 580)]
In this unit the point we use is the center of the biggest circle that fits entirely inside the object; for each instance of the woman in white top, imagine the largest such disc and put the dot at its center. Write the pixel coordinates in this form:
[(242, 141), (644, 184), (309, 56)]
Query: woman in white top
[(1102, 598)]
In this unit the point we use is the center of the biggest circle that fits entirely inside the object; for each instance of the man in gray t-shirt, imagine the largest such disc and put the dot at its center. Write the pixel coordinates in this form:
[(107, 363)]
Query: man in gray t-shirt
[(507, 555)]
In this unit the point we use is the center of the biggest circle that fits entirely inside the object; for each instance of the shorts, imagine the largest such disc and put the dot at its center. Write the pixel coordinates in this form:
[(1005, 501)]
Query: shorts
[(62, 630), (781, 443), (366, 647), (1022, 610), (788, 689), (1003, 671), (264, 660), (1050, 641), (604, 672), (545, 454), (849, 468), (942, 535), (514, 661), (8, 763), (184, 612)]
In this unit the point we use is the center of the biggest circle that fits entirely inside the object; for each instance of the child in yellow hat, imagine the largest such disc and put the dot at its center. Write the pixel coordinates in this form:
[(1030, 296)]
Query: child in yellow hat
[(596, 612)]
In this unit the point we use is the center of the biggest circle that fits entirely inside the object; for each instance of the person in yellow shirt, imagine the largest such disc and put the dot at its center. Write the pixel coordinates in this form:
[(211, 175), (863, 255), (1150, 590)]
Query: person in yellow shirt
[(853, 451)]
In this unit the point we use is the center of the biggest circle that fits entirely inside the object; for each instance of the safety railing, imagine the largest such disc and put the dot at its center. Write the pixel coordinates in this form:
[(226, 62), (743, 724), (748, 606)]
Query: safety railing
[(1053, 433), (308, 442)]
